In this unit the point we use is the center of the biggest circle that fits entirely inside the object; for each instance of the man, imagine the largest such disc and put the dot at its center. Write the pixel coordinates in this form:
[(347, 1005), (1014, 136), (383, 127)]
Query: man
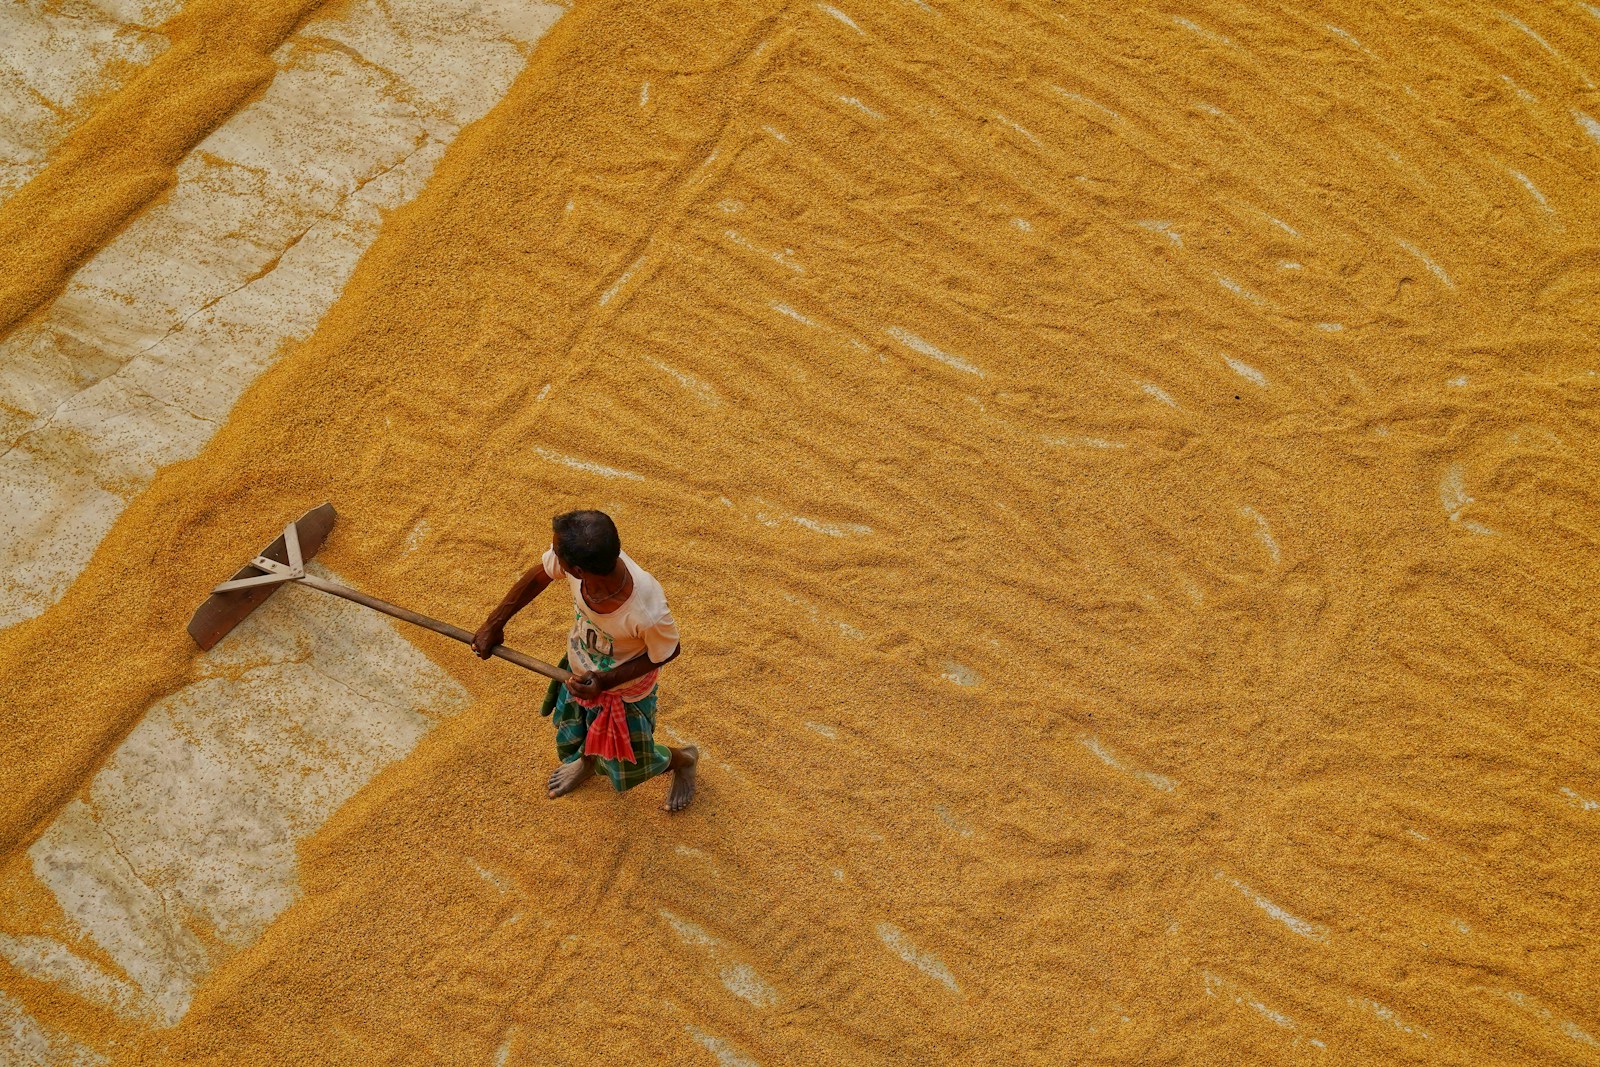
[(622, 635)]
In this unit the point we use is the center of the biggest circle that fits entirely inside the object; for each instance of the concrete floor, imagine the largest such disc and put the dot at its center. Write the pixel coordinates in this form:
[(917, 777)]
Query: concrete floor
[(182, 848)]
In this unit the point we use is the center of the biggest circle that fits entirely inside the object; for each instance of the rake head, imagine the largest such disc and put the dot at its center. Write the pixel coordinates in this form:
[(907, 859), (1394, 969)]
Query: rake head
[(282, 561)]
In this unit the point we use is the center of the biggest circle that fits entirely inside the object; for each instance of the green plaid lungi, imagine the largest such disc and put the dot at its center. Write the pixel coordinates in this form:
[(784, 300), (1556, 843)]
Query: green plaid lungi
[(572, 720)]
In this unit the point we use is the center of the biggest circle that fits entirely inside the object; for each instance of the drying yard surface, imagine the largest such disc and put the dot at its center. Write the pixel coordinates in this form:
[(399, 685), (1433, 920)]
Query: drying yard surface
[(1126, 481)]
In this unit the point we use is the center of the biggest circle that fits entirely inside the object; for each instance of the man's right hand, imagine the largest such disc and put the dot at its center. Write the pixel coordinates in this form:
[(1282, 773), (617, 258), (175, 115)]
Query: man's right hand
[(486, 638)]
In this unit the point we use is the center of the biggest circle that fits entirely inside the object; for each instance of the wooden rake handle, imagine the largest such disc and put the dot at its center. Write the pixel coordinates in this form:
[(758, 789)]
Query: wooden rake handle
[(511, 655)]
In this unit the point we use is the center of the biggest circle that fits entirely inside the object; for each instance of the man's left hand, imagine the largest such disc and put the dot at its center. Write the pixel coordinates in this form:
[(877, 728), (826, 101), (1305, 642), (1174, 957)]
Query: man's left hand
[(585, 686)]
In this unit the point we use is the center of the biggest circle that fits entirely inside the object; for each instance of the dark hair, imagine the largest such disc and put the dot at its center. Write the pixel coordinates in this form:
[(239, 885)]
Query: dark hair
[(587, 539)]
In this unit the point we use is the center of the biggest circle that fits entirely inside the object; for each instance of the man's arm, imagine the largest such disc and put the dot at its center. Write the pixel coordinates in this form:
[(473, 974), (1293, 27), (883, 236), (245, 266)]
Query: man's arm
[(493, 630), (637, 667)]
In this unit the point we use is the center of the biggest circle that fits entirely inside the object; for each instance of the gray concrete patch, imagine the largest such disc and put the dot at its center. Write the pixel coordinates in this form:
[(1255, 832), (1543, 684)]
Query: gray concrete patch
[(154, 339), (187, 836), (56, 58)]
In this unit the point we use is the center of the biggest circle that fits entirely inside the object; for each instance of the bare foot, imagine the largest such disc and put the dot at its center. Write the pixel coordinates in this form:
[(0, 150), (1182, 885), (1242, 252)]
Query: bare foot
[(569, 776), (684, 763)]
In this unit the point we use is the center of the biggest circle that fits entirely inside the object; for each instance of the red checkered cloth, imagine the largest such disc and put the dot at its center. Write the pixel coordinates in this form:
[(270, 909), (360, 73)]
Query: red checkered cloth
[(608, 734)]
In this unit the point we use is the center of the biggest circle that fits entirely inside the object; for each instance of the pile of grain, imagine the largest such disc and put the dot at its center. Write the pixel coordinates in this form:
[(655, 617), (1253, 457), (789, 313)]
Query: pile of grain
[(1122, 482)]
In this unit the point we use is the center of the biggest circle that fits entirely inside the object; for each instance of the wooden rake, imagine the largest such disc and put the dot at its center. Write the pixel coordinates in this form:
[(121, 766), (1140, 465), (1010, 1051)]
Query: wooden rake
[(283, 562)]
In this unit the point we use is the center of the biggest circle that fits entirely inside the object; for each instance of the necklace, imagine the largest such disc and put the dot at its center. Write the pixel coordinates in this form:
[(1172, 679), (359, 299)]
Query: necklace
[(602, 597)]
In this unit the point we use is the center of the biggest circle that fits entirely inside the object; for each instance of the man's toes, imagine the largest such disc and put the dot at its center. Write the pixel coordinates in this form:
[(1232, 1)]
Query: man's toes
[(564, 779), (681, 793)]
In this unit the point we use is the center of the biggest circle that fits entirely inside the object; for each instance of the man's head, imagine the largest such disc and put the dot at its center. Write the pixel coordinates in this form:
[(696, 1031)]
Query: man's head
[(586, 542)]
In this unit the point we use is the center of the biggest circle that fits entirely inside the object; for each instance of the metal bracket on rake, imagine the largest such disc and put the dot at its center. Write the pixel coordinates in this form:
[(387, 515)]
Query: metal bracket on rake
[(275, 572)]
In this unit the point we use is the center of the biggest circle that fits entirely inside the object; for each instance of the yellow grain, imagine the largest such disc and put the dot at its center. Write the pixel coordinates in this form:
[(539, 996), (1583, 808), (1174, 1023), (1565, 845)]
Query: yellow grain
[(1232, 738)]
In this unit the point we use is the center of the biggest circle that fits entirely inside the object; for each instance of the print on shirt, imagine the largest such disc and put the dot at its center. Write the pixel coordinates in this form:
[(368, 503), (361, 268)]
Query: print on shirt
[(592, 643)]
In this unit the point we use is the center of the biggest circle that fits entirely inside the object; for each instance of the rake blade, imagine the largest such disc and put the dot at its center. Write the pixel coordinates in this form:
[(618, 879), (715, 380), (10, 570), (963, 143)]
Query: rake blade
[(223, 611)]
